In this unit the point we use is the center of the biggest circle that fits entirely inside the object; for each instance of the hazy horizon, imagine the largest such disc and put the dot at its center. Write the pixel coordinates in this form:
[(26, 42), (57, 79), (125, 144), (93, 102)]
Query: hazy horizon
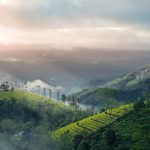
[(65, 24), (70, 70), (73, 44)]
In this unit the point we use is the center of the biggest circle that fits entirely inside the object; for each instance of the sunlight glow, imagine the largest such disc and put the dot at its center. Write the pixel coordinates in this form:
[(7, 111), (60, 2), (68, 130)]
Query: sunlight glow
[(6, 2), (3, 38)]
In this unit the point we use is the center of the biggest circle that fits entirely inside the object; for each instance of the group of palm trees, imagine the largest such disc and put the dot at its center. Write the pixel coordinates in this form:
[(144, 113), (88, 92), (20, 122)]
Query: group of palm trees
[(11, 86), (45, 92), (6, 86)]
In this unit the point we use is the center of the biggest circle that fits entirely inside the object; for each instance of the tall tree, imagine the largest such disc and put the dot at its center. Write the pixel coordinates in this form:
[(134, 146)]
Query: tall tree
[(39, 89), (5, 86), (106, 97), (58, 95), (12, 87), (64, 98), (50, 93), (44, 92)]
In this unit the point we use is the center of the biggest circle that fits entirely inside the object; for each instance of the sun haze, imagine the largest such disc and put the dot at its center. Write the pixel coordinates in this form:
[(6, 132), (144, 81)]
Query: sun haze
[(76, 23)]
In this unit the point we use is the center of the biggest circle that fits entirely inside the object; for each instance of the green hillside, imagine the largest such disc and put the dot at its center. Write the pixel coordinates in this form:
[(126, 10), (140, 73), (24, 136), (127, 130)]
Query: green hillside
[(132, 79), (31, 98), (92, 123), (129, 87), (43, 106), (22, 111), (130, 132)]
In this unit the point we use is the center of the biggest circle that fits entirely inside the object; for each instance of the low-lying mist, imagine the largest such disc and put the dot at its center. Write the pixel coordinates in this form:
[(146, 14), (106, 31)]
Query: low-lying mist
[(72, 70)]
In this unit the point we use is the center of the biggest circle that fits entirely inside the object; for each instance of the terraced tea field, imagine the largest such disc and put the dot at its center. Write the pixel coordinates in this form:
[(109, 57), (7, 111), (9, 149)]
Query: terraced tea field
[(92, 123)]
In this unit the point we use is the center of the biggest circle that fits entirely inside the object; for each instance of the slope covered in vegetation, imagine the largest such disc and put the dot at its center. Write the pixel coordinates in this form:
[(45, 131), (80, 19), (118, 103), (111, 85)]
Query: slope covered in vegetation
[(129, 87), (22, 111), (92, 123), (129, 132), (132, 79)]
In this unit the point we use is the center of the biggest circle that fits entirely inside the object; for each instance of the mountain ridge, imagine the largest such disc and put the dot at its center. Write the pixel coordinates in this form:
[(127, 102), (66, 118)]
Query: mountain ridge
[(128, 86)]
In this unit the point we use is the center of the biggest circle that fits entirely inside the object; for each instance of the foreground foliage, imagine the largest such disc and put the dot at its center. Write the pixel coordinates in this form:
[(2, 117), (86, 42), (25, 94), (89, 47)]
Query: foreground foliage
[(92, 123), (22, 111), (130, 132)]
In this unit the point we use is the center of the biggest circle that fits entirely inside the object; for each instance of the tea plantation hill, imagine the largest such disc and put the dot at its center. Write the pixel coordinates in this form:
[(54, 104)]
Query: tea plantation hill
[(127, 129), (92, 123), (130, 132)]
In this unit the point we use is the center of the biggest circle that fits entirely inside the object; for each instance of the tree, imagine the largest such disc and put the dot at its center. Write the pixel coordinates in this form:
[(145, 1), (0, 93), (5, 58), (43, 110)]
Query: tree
[(69, 99), (147, 96), (109, 136), (84, 145), (64, 98), (12, 87), (50, 93), (58, 95), (16, 84), (44, 92), (38, 87), (97, 147), (76, 141), (138, 105), (106, 96), (74, 101), (5, 86)]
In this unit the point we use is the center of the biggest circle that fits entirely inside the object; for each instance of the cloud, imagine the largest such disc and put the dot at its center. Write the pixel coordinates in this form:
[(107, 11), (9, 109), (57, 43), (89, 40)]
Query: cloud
[(10, 60), (98, 37), (56, 13), (69, 23)]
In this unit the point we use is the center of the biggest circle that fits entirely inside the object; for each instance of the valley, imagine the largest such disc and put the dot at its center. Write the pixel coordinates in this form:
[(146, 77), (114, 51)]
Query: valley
[(31, 117)]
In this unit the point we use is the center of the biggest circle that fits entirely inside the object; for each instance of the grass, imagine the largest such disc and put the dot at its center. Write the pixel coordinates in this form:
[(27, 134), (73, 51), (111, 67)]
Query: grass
[(92, 123), (31, 98)]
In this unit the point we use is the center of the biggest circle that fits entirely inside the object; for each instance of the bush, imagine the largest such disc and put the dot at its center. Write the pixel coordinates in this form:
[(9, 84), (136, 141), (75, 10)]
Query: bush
[(123, 147), (139, 105), (109, 136), (7, 125), (84, 146), (97, 147), (76, 141)]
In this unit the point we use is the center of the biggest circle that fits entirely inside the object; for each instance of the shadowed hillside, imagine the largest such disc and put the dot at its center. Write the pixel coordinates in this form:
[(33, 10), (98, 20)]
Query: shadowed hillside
[(26, 119), (128, 88)]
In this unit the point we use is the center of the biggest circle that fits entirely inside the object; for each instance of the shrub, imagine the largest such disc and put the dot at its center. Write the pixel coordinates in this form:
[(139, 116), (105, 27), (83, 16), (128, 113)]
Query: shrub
[(109, 136), (139, 105)]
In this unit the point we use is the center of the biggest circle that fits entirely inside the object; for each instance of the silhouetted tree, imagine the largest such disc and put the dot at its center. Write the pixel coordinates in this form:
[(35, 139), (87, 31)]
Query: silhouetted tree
[(44, 92), (16, 84), (74, 102), (109, 136), (76, 141), (12, 87), (64, 98), (106, 96), (58, 95), (5, 86), (50, 93), (138, 105), (147, 96), (38, 89), (84, 145)]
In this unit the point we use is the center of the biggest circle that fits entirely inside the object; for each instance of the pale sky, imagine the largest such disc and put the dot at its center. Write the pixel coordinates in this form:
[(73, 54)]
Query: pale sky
[(112, 24)]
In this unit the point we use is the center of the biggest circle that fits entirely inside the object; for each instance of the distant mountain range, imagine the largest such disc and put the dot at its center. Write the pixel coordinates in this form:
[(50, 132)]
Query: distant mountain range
[(131, 87), (131, 80)]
